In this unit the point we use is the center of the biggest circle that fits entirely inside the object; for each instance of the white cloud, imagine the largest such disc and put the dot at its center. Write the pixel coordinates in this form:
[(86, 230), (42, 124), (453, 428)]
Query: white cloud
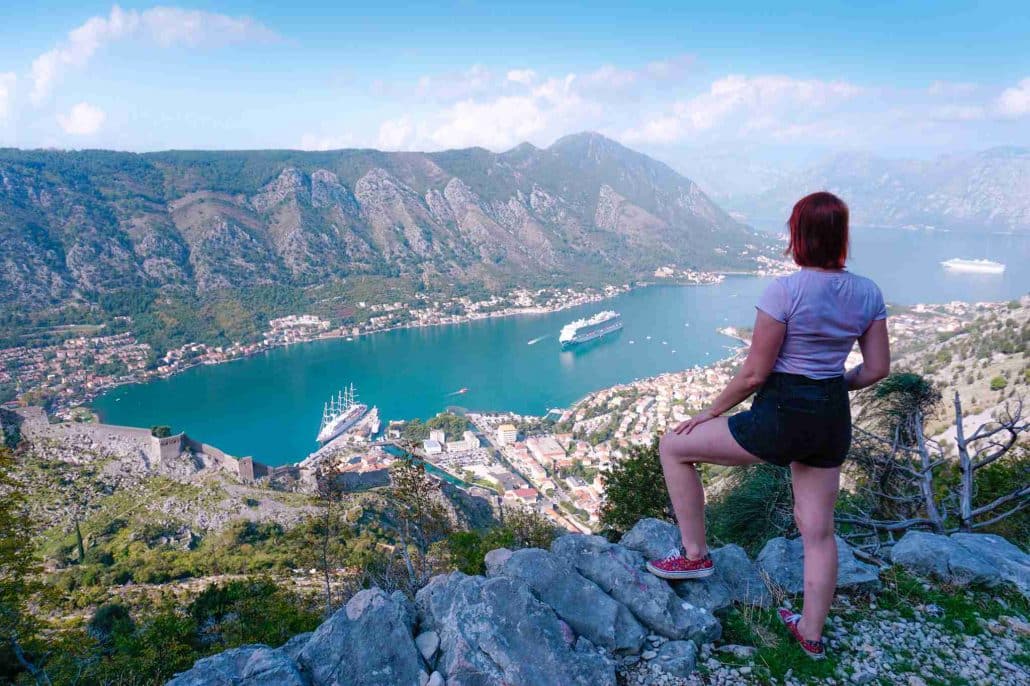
[(82, 120), (476, 80), (1014, 102), (741, 105), (523, 76), (7, 82), (163, 26), (396, 134), (311, 141), (496, 124)]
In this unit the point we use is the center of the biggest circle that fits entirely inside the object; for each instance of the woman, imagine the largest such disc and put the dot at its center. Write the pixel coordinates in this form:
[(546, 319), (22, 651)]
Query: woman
[(806, 325)]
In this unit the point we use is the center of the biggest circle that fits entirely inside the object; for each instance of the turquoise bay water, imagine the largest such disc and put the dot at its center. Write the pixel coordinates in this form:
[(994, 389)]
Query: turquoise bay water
[(269, 405)]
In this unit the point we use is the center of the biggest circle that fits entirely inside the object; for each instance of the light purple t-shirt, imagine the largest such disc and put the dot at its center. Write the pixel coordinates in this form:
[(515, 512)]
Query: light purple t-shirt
[(825, 313)]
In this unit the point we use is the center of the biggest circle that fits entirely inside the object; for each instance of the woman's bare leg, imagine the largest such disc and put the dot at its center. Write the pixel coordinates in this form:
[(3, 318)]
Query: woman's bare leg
[(815, 494), (709, 442)]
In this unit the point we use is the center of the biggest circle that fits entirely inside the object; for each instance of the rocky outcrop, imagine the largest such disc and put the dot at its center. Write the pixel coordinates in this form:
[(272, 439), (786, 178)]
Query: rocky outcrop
[(781, 563), (566, 616), (495, 631), (964, 558), (253, 665), (620, 573), (576, 599), (735, 580), (373, 630)]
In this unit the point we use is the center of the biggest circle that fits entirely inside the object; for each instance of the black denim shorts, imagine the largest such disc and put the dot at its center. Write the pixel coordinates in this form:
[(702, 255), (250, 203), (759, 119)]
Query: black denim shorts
[(797, 419)]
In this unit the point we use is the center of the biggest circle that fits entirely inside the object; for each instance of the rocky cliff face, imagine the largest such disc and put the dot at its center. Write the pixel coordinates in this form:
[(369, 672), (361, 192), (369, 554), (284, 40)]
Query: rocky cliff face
[(78, 224)]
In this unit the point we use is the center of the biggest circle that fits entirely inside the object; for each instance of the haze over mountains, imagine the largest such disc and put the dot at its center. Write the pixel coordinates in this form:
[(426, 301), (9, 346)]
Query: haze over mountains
[(78, 224), (983, 191)]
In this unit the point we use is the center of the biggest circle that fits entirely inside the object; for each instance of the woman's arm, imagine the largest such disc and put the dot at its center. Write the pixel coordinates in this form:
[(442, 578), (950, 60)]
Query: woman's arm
[(876, 357), (765, 347)]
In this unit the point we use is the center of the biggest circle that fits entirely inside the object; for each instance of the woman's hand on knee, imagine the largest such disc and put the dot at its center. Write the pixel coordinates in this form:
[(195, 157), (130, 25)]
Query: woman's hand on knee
[(684, 428)]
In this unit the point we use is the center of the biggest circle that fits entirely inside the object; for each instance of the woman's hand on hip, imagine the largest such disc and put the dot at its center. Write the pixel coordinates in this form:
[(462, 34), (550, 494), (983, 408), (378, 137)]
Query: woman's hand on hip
[(700, 418)]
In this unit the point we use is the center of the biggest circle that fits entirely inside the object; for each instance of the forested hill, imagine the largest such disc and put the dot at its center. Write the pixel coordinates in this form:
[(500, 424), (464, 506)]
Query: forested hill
[(78, 225)]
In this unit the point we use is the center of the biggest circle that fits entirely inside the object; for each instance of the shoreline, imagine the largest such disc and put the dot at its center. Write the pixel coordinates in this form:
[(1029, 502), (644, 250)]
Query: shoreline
[(338, 334)]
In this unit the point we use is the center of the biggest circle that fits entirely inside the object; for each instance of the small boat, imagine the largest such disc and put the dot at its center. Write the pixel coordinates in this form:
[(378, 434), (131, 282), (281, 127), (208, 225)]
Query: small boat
[(463, 390)]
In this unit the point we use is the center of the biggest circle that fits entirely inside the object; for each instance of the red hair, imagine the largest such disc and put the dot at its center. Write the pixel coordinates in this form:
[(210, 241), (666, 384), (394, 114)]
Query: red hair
[(819, 231)]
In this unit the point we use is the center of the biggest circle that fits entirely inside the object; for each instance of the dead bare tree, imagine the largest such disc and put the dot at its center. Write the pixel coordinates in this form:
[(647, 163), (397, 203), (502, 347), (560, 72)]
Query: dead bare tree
[(989, 443), (903, 468)]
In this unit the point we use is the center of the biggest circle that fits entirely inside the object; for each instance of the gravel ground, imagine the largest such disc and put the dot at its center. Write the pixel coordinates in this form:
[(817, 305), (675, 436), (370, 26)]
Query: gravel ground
[(881, 648)]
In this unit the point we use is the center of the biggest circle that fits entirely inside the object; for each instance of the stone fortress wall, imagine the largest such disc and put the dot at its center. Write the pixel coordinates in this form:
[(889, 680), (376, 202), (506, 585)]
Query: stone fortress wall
[(137, 442)]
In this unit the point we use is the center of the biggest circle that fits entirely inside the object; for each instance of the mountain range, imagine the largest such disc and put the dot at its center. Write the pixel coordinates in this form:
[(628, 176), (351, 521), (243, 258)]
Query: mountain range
[(983, 191), (78, 224)]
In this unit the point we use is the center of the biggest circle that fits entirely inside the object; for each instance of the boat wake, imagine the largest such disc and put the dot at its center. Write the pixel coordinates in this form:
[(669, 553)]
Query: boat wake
[(538, 339)]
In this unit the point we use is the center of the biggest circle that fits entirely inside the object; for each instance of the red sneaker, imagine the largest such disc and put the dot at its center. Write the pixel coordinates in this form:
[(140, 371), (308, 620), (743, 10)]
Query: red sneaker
[(676, 565), (813, 649)]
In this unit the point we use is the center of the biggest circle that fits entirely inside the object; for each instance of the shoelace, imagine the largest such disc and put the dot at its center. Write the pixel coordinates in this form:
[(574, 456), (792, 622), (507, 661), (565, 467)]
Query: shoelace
[(793, 620), (672, 555)]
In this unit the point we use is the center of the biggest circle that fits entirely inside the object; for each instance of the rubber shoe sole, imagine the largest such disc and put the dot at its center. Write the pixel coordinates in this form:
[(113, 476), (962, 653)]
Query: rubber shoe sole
[(679, 576)]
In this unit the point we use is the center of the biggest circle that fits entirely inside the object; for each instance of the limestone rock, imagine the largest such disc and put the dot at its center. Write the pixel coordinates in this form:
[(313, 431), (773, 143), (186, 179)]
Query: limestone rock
[(782, 560), (368, 642), (620, 573), (253, 665), (577, 600), (962, 559), (495, 631), (1011, 563), (929, 554), (428, 643), (296, 644), (735, 579), (677, 658)]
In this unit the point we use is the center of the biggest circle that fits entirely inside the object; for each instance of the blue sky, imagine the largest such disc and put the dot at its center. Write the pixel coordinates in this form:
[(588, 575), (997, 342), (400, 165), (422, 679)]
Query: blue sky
[(756, 79)]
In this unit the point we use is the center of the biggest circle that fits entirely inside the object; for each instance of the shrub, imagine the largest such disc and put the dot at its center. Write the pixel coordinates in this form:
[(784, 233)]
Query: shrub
[(998, 383), (634, 489), (756, 505)]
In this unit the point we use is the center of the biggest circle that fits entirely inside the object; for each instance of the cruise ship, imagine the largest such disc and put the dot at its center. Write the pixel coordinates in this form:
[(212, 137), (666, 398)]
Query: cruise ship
[(976, 266), (339, 414), (583, 330)]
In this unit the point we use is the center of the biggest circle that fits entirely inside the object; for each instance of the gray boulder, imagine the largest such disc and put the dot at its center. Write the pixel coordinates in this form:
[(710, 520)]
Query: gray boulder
[(935, 555), (368, 642), (296, 644), (782, 560), (652, 538), (576, 599), (677, 658), (495, 631), (620, 573), (964, 558), (735, 579), (252, 665), (740, 574), (1012, 564)]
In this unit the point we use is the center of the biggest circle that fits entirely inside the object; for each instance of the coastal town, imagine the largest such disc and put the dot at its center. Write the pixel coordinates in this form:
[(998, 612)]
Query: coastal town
[(556, 464), (553, 464), (66, 374)]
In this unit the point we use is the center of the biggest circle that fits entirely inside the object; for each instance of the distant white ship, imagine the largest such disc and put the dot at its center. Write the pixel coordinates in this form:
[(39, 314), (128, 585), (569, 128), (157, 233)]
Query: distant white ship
[(583, 330), (339, 414), (975, 266)]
